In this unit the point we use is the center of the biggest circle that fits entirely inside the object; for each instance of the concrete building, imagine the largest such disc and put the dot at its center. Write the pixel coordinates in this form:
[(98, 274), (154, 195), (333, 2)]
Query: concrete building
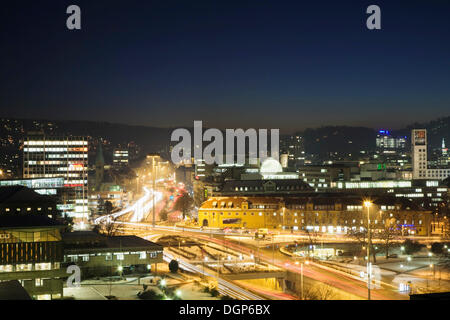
[(98, 254), (23, 200), (120, 158)]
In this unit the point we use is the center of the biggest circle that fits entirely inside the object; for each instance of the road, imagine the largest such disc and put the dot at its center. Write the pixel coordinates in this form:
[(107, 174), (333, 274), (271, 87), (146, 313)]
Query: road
[(225, 287), (312, 272), (139, 209)]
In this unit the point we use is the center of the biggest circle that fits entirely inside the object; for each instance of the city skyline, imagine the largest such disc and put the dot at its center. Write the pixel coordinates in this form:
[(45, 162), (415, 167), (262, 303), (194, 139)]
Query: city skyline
[(225, 151), (288, 66)]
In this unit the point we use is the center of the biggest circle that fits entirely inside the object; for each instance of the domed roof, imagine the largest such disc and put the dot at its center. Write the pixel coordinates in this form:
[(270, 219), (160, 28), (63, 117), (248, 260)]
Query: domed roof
[(270, 165)]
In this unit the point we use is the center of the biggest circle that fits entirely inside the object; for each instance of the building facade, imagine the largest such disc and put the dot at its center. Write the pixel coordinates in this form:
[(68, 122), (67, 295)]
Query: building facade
[(420, 158), (31, 252), (328, 213), (120, 158), (51, 157), (98, 254)]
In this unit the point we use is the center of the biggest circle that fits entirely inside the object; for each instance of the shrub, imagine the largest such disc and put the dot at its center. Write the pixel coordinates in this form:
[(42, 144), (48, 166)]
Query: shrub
[(173, 266)]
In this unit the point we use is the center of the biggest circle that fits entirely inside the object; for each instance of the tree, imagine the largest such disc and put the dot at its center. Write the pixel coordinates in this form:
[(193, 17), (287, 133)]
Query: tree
[(411, 246), (173, 266), (108, 226), (387, 234), (437, 248), (319, 292), (199, 193), (184, 204), (361, 237), (163, 214), (108, 207)]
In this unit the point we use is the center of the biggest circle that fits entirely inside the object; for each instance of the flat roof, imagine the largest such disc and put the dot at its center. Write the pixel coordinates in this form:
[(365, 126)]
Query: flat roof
[(18, 221), (13, 290), (89, 240)]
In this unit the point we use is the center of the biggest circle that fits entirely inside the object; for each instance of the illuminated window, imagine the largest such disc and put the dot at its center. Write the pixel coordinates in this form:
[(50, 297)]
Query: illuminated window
[(39, 282)]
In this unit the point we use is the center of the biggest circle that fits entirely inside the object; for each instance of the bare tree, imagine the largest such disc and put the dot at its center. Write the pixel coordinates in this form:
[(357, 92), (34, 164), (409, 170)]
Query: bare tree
[(387, 234), (184, 204), (199, 193), (361, 237), (109, 226), (319, 292)]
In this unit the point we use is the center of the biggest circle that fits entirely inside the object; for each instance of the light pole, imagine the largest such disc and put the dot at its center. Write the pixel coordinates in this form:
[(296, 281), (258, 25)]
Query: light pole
[(301, 279), (367, 204), (154, 188)]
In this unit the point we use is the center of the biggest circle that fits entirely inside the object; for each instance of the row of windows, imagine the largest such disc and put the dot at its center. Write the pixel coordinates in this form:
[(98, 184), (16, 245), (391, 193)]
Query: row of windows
[(109, 257), (25, 209)]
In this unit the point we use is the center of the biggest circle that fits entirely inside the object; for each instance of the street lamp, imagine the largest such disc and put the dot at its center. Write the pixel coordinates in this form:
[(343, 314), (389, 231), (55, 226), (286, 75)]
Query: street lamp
[(368, 204)]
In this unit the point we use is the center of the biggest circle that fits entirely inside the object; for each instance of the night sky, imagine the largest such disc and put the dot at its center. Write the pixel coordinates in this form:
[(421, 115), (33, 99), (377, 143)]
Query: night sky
[(272, 64)]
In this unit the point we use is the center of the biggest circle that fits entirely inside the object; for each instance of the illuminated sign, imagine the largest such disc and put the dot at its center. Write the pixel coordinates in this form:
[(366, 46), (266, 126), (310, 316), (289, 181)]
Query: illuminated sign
[(419, 137)]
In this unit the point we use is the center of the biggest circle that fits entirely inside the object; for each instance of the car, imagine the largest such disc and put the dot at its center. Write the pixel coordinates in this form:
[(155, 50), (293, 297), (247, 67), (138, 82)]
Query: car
[(394, 255)]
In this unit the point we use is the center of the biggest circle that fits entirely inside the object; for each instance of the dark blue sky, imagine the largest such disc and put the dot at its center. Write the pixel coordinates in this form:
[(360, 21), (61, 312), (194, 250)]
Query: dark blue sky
[(273, 64)]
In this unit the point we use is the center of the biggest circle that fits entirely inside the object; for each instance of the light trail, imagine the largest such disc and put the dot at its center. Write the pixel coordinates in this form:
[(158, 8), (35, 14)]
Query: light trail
[(140, 207), (225, 287)]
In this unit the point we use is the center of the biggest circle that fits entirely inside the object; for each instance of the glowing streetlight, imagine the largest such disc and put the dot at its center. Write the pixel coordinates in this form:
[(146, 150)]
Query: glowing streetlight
[(120, 268), (162, 283), (178, 293)]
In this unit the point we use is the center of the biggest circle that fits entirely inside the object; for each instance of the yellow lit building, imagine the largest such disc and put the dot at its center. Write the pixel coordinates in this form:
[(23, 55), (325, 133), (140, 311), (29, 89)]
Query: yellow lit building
[(331, 213)]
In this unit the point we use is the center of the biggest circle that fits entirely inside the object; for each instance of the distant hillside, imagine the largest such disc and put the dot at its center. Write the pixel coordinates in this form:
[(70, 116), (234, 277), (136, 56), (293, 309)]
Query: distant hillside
[(323, 140), (436, 129), (353, 139), (338, 139)]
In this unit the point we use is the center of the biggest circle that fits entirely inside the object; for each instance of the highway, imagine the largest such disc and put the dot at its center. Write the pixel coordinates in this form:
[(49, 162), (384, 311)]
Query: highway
[(224, 287), (314, 273), (139, 209)]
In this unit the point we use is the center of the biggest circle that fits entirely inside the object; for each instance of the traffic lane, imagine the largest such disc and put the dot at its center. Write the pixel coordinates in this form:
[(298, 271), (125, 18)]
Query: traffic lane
[(344, 283)]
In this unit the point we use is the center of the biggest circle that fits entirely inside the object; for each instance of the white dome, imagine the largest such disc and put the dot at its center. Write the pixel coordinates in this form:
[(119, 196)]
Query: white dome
[(270, 165)]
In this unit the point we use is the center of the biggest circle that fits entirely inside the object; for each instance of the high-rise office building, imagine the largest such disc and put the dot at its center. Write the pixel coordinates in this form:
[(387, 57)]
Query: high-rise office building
[(120, 158), (293, 146), (386, 143), (50, 157)]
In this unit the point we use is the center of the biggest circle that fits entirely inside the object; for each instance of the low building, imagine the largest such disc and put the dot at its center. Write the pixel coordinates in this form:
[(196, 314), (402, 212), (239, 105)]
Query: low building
[(21, 200), (31, 252), (261, 187), (98, 254), (316, 212)]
